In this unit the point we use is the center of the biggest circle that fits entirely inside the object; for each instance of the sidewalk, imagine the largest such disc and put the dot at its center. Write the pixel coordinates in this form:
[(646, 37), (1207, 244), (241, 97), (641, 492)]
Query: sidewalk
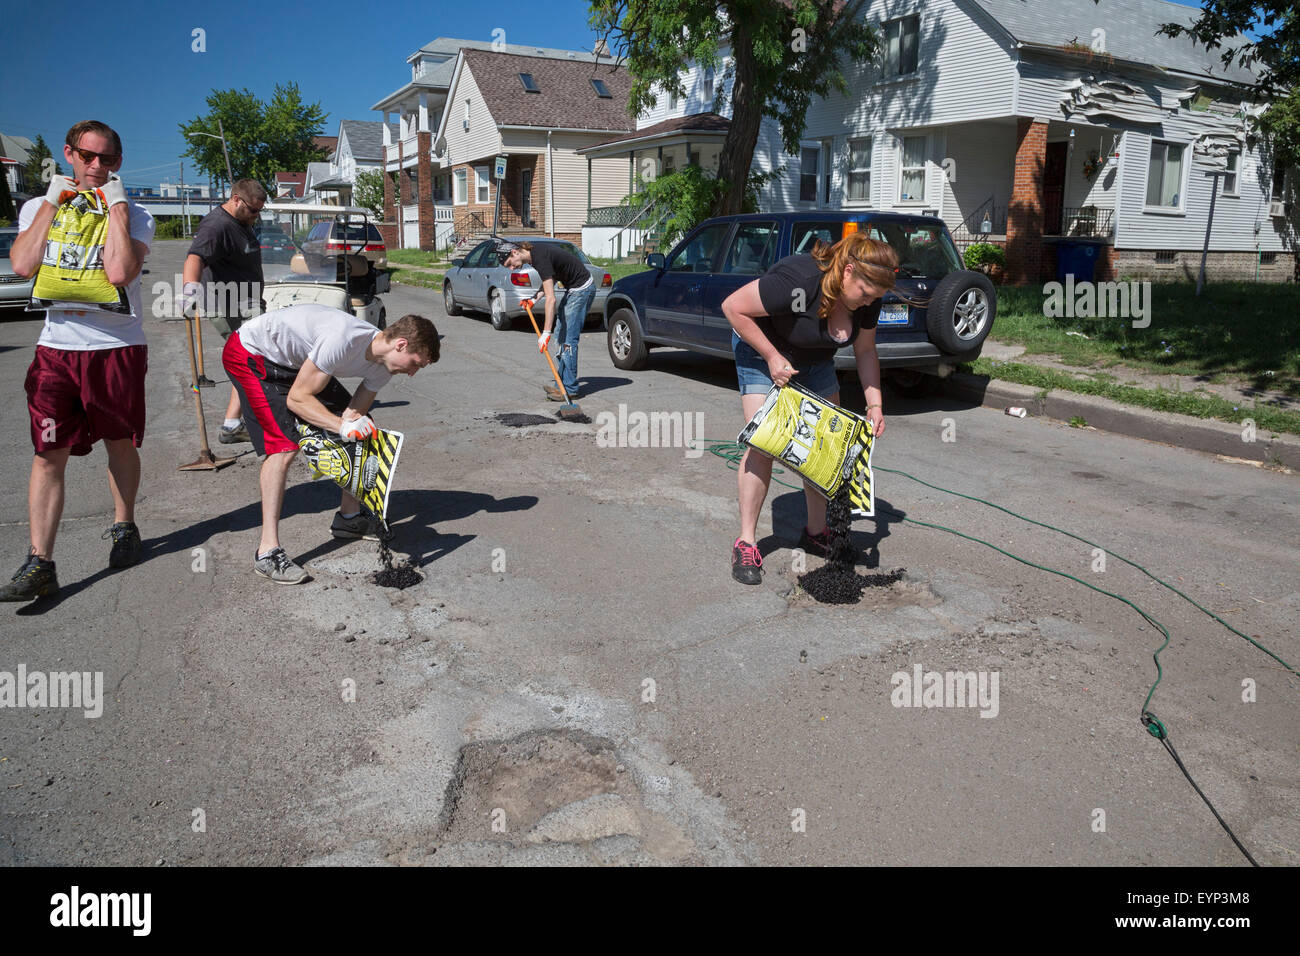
[(1226, 439)]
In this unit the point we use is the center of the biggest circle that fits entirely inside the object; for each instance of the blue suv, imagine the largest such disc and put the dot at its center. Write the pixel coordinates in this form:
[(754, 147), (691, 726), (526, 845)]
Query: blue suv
[(678, 301)]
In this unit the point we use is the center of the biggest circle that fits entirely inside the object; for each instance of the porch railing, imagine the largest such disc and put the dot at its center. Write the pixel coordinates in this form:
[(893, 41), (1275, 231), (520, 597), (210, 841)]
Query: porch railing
[(611, 216), (971, 229), (1085, 222)]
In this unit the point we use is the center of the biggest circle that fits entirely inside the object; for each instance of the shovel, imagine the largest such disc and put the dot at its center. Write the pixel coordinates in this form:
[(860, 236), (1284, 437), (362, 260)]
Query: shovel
[(205, 461), (569, 411)]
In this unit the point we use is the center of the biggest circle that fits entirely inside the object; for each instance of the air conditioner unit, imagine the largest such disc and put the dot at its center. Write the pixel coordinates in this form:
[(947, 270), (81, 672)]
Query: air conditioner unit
[(1277, 209), (465, 125)]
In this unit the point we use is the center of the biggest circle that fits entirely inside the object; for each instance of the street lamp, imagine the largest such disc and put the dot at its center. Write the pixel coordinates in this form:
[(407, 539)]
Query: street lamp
[(229, 178)]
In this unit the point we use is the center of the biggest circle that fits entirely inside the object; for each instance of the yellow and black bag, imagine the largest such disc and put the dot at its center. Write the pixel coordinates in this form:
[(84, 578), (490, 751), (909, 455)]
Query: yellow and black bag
[(72, 273), (364, 469), (823, 443)]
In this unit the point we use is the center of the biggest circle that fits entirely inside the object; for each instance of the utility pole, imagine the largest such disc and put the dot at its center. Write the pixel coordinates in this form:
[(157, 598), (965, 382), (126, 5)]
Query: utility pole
[(185, 219), (222, 130), (1209, 224)]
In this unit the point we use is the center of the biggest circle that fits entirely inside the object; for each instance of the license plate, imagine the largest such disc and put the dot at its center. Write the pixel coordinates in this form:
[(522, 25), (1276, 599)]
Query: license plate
[(893, 314)]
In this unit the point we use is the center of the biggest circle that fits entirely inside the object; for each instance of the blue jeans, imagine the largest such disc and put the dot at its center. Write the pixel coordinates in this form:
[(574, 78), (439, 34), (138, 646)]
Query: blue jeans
[(570, 316)]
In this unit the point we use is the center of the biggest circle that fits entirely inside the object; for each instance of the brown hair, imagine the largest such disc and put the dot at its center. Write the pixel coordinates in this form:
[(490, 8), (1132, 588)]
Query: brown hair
[(93, 126), (420, 335), (872, 259), (249, 190)]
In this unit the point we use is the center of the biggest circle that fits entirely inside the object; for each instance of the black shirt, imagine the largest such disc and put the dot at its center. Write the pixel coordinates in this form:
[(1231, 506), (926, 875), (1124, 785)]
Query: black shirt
[(553, 261), (801, 336), (231, 253)]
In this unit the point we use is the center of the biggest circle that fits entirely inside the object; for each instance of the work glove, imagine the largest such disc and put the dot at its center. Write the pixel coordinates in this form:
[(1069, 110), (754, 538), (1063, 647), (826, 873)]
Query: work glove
[(62, 188), (113, 192), (543, 341), (358, 429), (187, 302)]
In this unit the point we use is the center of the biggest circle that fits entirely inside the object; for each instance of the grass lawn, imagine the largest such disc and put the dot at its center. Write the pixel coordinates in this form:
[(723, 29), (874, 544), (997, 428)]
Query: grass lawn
[(1234, 330), (412, 257), (619, 269), (415, 277)]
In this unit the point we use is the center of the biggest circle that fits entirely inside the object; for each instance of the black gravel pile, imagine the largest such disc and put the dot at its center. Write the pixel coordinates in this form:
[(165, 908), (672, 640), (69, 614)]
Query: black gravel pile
[(836, 582), (401, 575)]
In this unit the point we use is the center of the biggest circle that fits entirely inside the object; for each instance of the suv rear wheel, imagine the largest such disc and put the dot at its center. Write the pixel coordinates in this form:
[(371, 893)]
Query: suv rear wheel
[(961, 311), (627, 350)]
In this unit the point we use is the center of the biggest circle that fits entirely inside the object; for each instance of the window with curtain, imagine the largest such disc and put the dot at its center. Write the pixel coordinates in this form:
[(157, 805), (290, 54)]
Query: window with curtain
[(901, 39), (912, 185), (1165, 175), (859, 170)]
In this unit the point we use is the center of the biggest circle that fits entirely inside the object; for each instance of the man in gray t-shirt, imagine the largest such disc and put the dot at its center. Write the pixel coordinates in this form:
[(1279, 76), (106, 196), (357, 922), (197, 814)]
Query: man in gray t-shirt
[(283, 364)]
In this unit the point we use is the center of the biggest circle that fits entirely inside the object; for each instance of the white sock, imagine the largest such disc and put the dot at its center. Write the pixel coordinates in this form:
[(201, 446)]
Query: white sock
[(232, 423)]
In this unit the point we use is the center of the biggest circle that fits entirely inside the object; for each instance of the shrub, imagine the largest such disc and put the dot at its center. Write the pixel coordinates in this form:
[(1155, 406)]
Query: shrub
[(979, 255)]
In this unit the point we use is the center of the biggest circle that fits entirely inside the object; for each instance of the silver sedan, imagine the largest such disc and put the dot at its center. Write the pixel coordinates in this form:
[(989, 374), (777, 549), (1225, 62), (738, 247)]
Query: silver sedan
[(480, 282), (15, 290)]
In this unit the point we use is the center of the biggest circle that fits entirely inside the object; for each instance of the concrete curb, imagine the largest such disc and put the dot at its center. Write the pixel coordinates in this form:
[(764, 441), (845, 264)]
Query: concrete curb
[(1184, 431)]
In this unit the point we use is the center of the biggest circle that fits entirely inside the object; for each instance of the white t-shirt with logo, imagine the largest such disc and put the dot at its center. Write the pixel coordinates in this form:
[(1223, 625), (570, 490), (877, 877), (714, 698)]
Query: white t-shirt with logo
[(85, 331), (334, 340)]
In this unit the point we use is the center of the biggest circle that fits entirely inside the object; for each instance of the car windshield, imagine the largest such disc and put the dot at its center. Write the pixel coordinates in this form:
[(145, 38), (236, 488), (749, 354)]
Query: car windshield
[(356, 232)]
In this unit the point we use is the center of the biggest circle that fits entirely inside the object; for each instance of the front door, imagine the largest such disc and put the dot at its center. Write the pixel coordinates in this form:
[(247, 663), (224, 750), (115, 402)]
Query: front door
[(1054, 188), (526, 198)]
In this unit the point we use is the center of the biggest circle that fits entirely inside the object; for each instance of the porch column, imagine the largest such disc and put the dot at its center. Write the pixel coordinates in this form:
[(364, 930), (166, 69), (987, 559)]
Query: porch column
[(1025, 211)]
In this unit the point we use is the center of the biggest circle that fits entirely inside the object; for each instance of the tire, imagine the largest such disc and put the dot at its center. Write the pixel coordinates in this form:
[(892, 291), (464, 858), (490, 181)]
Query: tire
[(449, 299), (910, 383), (627, 350), (497, 305), (961, 312)]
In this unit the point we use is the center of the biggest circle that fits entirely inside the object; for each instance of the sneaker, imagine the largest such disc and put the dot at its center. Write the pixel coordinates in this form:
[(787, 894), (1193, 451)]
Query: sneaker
[(279, 567), (233, 436), (359, 525), (818, 544), (36, 578), (555, 395), (746, 563), (126, 544)]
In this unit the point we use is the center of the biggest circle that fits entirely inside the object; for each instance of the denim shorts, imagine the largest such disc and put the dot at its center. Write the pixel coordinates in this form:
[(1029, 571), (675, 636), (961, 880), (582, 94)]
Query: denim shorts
[(751, 371)]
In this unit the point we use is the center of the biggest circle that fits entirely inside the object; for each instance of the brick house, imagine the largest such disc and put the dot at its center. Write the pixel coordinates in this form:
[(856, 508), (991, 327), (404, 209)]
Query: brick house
[(1042, 127), (534, 106)]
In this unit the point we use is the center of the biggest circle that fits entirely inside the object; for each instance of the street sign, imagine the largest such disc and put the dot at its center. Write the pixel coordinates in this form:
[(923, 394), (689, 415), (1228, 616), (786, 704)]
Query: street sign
[(501, 167)]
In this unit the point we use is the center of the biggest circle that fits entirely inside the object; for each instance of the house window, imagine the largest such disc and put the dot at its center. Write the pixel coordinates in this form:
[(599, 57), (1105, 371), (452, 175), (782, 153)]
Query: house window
[(461, 178), (482, 192), (1268, 258), (709, 76), (441, 187), (810, 162), (601, 89), (1278, 188), (670, 164), (466, 122), (900, 44), (530, 85), (912, 184), (1166, 257), (1230, 177), (672, 102), (859, 170), (1165, 175), (827, 154)]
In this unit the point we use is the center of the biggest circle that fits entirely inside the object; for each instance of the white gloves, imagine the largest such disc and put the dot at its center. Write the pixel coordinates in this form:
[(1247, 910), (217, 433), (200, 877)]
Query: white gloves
[(543, 341), (62, 188), (357, 429), (113, 192), (189, 299)]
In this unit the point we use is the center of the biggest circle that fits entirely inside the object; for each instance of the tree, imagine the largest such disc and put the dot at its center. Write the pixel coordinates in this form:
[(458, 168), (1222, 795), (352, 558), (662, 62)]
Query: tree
[(368, 191), (34, 175), (1274, 53), (784, 53), (262, 138), (7, 212)]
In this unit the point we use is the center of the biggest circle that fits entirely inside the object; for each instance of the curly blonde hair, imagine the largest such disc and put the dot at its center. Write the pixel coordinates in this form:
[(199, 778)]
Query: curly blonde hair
[(872, 259)]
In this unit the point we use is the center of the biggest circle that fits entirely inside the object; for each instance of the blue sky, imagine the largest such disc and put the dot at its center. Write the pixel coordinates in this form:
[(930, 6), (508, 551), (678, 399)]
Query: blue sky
[(137, 72)]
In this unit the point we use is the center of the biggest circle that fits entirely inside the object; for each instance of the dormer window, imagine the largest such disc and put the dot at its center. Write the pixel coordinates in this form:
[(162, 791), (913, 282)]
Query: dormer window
[(601, 89), (530, 85)]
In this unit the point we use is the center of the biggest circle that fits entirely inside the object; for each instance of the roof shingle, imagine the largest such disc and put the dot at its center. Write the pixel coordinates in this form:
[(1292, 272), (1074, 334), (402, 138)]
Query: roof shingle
[(567, 98)]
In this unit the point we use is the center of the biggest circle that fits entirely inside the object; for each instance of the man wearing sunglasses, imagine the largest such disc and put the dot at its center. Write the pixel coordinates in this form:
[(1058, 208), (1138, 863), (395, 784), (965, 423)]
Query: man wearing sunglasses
[(86, 382), (226, 257)]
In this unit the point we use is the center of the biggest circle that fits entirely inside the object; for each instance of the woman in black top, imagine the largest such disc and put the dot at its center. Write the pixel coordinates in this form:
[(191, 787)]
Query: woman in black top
[(787, 326)]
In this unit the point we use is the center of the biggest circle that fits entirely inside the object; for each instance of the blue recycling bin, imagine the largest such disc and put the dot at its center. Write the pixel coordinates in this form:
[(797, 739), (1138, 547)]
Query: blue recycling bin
[(1077, 258)]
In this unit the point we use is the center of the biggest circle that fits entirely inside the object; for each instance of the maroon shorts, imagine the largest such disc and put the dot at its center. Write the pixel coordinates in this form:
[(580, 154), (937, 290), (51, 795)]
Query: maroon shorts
[(263, 388), (76, 398)]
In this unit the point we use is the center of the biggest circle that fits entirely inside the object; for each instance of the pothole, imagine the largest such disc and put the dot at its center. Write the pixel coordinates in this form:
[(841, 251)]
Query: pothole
[(502, 789), (521, 420)]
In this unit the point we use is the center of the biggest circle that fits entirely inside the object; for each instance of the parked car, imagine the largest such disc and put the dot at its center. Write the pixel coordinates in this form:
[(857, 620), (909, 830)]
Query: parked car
[(349, 231), (678, 301), (276, 246), (15, 290), (349, 282), (479, 281)]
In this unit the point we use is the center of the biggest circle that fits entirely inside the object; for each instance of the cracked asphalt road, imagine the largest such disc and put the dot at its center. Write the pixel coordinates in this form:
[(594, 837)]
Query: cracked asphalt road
[(577, 679)]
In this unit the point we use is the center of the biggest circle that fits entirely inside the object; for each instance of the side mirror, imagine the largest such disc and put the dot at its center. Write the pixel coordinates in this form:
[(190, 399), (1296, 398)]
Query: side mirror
[(457, 263), (656, 261)]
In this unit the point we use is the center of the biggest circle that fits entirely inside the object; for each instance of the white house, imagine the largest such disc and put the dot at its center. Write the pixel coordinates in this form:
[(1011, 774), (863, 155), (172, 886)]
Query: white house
[(1028, 123)]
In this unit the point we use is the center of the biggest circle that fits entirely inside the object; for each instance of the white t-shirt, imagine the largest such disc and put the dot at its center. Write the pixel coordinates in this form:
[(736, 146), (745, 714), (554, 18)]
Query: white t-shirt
[(79, 331), (334, 340)]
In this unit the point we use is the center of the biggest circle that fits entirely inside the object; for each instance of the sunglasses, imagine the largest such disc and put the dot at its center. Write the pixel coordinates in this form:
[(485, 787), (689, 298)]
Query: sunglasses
[(88, 156)]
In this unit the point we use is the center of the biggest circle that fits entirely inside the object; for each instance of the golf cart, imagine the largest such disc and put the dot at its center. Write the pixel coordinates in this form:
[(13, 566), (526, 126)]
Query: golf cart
[(340, 276)]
